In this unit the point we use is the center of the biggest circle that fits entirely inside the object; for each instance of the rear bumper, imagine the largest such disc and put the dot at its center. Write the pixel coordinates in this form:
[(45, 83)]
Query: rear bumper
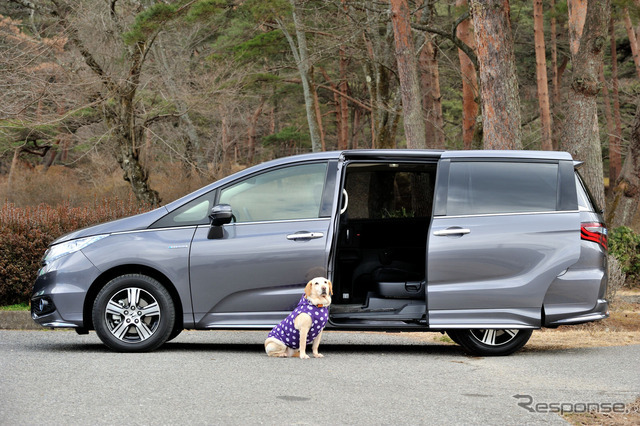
[(601, 311)]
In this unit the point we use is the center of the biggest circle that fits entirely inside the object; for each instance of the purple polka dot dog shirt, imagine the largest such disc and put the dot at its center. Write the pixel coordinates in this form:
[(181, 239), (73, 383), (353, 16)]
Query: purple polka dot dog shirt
[(286, 331)]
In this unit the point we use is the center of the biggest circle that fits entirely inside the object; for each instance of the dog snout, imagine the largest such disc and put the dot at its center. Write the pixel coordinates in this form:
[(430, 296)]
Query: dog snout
[(324, 291)]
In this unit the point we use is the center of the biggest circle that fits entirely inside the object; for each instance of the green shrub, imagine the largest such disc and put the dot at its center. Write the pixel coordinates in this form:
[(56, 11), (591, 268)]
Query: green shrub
[(624, 244), (25, 233)]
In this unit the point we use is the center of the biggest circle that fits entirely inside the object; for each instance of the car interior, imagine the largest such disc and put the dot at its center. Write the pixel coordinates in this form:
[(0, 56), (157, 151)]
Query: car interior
[(381, 248)]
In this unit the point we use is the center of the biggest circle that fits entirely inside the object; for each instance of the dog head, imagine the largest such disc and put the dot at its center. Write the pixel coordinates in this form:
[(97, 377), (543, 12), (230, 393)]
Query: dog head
[(319, 291)]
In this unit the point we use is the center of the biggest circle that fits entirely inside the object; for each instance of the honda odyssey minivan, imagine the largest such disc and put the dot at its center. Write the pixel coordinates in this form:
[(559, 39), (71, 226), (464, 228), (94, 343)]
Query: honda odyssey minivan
[(483, 245)]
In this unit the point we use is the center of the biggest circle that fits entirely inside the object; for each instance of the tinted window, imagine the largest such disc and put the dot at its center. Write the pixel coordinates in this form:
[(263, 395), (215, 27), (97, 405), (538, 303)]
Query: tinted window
[(584, 200), (389, 191), (195, 212), (501, 187), (282, 194)]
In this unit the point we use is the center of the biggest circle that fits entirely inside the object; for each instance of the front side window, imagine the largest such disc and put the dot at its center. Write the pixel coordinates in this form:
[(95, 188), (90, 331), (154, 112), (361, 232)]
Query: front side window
[(195, 212), (501, 187), (283, 194)]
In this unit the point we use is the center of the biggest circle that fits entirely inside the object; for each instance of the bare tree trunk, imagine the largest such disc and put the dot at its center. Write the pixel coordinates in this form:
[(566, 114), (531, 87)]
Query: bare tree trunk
[(317, 112), (633, 40), (498, 81), (615, 160), (343, 129), (414, 128), (608, 114), (541, 73), (625, 208), (554, 57), (251, 132), (193, 156), (384, 106), (555, 79), (577, 17), (580, 134), (431, 95), (301, 55), (469, 82), (12, 168), (430, 84)]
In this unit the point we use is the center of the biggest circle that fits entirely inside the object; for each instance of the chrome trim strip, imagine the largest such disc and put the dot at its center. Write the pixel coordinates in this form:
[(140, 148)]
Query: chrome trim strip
[(171, 228), (305, 236), (481, 326), (449, 232), (506, 214), (584, 318), (57, 324), (315, 219)]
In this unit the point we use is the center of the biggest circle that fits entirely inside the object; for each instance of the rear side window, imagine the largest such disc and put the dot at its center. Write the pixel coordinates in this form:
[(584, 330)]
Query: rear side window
[(501, 187), (585, 202)]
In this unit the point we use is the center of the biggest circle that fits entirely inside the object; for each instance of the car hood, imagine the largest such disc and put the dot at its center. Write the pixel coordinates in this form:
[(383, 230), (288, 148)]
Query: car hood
[(132, 223)]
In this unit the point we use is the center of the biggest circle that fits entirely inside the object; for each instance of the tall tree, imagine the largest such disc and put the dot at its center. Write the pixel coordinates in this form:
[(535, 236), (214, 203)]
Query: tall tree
[(300, 53), (626, 200), (577, 15), (615, 157), (469, 81), (633, 40), (414, 128), (541, 73), (430, 82), (580, 134), (377, 67), (130, 40), (498, 80)]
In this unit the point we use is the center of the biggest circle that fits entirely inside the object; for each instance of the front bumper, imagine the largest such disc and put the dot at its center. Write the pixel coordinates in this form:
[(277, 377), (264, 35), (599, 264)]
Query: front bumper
[(60, 291)]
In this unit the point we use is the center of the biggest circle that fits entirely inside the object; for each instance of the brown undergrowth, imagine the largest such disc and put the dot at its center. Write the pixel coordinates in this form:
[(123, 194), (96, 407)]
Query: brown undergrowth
[(631, 416)]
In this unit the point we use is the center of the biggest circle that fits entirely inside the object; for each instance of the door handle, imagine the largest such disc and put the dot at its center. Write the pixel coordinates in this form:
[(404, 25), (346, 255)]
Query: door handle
[(451, 231), (305, 236)]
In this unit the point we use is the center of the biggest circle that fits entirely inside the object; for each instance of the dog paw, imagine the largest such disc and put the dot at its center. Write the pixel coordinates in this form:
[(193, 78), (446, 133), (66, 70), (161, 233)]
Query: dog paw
[(304, 356), (318, 355)]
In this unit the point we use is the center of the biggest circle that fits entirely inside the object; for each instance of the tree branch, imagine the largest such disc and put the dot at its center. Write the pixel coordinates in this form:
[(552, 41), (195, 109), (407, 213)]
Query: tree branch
[(452, 37), (355, 101), (33, 6)]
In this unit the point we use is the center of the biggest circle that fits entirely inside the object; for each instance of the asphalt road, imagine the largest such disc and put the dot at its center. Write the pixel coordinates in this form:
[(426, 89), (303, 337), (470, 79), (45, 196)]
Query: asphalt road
[(221, 377)]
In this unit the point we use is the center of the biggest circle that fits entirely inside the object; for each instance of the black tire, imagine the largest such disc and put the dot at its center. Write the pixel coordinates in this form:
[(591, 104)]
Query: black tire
[(479, 342), (175, 333), (142, 329), (453, 335)]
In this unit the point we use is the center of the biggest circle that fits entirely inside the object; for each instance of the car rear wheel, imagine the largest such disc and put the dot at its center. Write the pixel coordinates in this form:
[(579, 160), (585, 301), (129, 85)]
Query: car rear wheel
[(133, 313), (490, 342)]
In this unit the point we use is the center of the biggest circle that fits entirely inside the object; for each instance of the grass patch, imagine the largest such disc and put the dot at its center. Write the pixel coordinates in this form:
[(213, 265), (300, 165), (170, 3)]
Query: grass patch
[(18, 307)]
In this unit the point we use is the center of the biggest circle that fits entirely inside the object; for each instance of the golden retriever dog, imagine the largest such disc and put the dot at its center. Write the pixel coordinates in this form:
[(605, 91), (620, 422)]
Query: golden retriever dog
[(304, 325)]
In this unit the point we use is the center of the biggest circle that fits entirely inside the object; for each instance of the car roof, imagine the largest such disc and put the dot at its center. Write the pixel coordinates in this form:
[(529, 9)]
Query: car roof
[(382, 154), (375, 154)]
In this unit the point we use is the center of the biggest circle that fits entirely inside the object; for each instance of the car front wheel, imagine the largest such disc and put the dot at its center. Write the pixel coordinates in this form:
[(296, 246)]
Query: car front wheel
[(133, 313), (490, 342)]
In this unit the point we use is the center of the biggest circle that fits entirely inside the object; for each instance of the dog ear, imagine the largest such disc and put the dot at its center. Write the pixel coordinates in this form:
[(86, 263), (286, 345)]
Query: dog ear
[(330, 288), (307, 289)]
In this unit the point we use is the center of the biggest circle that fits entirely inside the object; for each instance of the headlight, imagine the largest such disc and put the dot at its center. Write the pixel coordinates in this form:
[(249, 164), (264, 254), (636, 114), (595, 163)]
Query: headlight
[(68, 247)]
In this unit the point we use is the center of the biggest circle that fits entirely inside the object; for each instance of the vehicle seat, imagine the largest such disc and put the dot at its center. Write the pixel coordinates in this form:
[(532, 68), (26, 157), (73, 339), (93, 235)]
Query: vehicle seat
[(399, 281)]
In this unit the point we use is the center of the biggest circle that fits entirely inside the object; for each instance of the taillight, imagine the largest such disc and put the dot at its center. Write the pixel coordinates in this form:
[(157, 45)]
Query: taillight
[(594, 231)]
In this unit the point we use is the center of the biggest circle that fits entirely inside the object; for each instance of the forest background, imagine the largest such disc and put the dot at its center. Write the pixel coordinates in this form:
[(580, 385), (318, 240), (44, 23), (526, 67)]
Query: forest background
[(111, 107)]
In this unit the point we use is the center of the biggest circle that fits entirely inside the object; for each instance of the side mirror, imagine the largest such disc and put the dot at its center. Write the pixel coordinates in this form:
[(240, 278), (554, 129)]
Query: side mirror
[(221, 214)]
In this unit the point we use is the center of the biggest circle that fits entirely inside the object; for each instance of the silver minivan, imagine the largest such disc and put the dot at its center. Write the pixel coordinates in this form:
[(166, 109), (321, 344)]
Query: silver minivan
[(483, 245)]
